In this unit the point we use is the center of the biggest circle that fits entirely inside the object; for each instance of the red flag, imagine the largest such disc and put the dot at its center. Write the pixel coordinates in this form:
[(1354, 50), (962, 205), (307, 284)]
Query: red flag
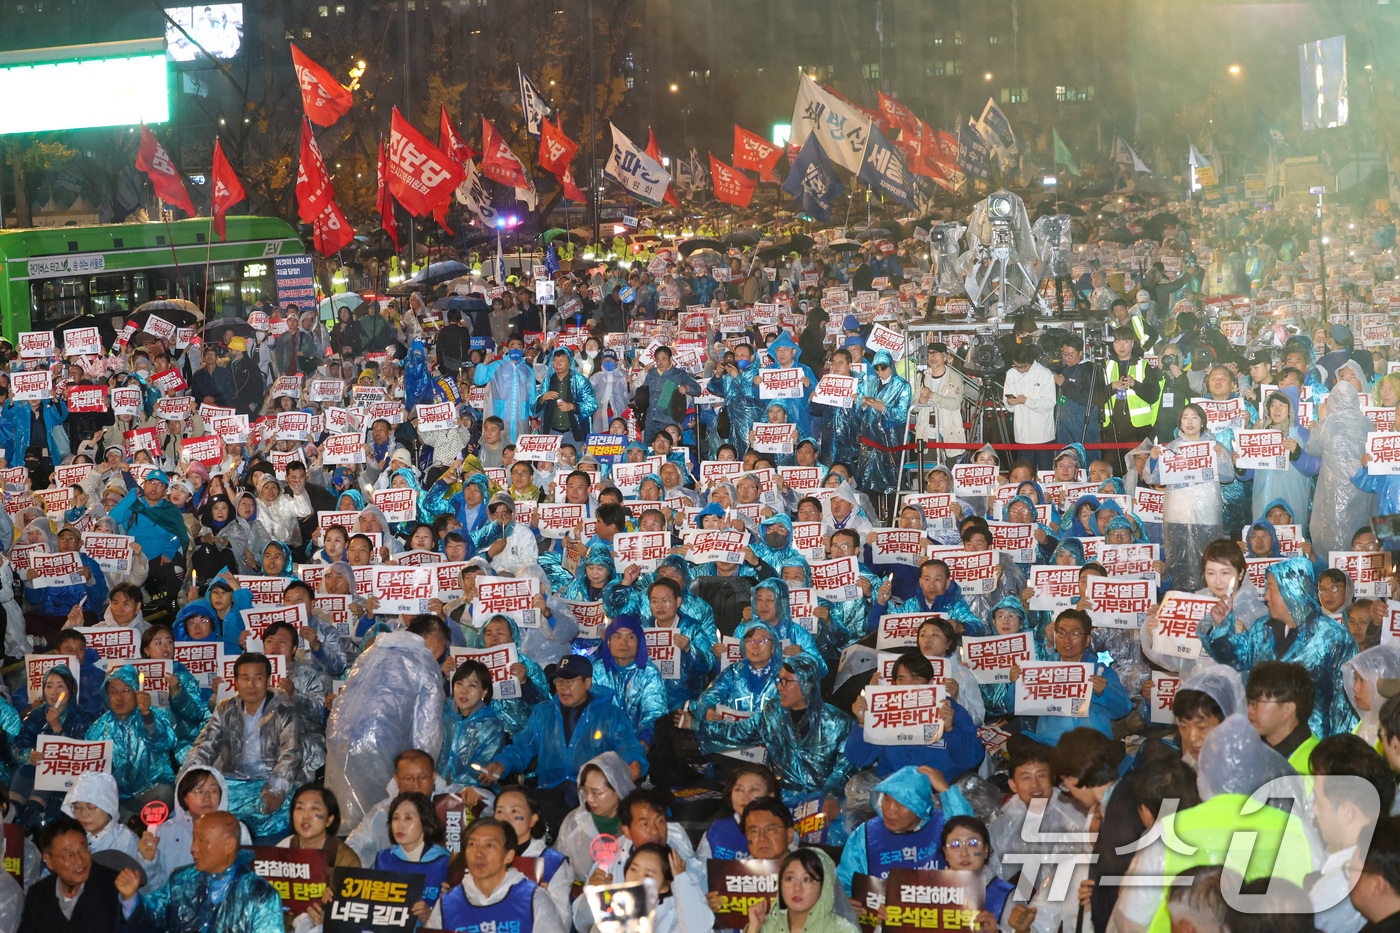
[(420, 174), (556, 149), (896, 114), (227, 189), (322, 97), (155, 162), (384, 202), (731, 185), (451, 142), (654, 150), (947, 150), (498, 162), (331, 231), (755, 153), (314, 190), (571, 189)]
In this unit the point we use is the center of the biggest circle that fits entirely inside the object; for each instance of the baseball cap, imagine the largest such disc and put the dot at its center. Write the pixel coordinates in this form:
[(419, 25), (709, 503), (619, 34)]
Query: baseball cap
[(853, 341), (1261, 359), (1340, 333), (937, 347), (158, 476), (610, 355), (575, 665)]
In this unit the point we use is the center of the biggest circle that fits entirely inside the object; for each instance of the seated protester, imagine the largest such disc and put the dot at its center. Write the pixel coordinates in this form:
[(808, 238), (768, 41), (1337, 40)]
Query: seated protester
[(725, 839), (60, 606), (680, 903), (807, 891), (1202, 702), (534, 686), (418, 835), (306, 687), (92, 801), (1010, 579), (260, 779), (937, 593), (413, 771), (770, 604), (216, 617), (188, 701), (841, 623), (1296, 629), (1028, 776), (1279, 697), (124, 607), (509, 545), (77, 886), (315, 821), (842, 510), (907, 829), (1353, 788), (603, 782), (322, 638), (621, 668), (958, 749), (746, 686), (142, 739), (219, 891), (1085, 764), (493, 891), (55, 712), (516, 805), (1234, 763), (643, 815), (1334, 594), (473, 734), (966, 846), (563, 734), (906, 578), (1107, 701)]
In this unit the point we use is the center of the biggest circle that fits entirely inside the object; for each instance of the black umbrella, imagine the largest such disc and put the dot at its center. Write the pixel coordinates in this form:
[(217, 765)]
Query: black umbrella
[(174, 314), (689, 246), (872, 233), (102, 323), (222, 330), (843, 246), (742, 237), (439, 272), (1157, 224)]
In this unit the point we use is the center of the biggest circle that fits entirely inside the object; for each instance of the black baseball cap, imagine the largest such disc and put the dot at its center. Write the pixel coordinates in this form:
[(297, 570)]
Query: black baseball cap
[(575, 665)]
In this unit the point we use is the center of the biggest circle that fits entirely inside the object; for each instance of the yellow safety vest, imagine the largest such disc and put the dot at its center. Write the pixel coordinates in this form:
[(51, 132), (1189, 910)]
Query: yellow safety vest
[(1141, 413), (1278, 848)]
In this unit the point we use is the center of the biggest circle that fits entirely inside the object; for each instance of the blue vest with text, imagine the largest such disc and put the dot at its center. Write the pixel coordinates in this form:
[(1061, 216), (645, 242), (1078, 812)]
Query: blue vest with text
[(727, 840), (515, 914), (885, 850)]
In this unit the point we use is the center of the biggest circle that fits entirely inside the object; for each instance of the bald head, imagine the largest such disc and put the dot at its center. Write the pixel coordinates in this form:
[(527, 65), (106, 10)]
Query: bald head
[(215, 843)]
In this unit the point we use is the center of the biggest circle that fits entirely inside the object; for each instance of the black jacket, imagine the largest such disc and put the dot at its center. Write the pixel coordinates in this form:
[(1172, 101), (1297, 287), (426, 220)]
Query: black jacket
[(1120, 826), (98, 909), (247, 382)]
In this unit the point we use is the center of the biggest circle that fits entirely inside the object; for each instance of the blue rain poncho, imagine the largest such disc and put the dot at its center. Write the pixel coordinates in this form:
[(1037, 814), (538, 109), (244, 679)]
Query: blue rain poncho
[(580, 393), (741, 687), (840, 431), (951, 603), (510, 393), (959, 750), (1000, 699), (602, 727), (226, 630), (1321, 645), (741, 404), (234, 901), (876, 471), (469, 743), (75, 720), (788, 630), (636, 687), (140, 750), (774, 557), (515, 711), (791, 414), (918, 849), (846, 618), (579, 590), (785, 341), (1295, 484), (189, 707), (808, 759)]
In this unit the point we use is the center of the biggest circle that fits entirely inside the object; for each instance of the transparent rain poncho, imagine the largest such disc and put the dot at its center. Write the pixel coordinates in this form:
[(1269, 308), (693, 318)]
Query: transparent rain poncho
[(392, 701), (1338, 507), (1374, 664)]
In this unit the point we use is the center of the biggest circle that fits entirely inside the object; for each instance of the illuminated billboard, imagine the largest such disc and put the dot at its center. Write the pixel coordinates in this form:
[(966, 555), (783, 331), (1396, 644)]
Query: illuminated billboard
[(1322, 67), (218, 27), (82, 93)]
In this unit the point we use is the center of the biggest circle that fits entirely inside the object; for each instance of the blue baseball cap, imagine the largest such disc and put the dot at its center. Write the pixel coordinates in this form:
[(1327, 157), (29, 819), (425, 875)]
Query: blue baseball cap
[(158, 476)]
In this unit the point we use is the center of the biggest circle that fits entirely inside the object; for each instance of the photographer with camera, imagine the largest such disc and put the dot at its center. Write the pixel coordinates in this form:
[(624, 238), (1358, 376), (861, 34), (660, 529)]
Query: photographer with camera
[(1029, 389), (1134, 393), (1076, 380)]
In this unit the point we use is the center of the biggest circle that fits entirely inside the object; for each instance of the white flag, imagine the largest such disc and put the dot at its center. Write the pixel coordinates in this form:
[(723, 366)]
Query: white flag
[(472, 194), (842, 130), (1123, 154), (638, 173), (533, 104)]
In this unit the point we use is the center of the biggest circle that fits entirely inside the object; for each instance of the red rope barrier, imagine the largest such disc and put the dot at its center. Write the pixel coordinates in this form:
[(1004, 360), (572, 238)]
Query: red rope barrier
[(930, 445)]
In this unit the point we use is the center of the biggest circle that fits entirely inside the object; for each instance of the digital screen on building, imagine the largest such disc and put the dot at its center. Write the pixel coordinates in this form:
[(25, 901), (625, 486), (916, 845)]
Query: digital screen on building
[(1322, 67), (218, 27), (68, 95)]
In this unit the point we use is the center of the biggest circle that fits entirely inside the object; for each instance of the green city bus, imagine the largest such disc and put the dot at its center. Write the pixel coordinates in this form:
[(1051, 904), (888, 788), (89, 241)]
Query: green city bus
[(49, 275)]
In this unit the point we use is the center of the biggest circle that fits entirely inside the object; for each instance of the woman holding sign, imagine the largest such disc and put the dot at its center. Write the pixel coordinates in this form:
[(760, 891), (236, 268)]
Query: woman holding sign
[(806, 898), (55, 712), (1192, 467), (1294, 484)]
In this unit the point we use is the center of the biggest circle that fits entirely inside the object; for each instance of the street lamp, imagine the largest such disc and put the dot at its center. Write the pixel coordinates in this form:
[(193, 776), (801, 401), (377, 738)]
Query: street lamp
[(1234, 69), (987, 76), (675, 88)]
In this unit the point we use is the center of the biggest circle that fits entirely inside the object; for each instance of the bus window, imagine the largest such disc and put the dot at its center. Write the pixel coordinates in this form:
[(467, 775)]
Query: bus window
[(54, 301)]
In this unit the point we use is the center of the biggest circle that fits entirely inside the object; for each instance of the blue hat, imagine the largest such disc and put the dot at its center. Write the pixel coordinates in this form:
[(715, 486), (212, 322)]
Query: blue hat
[(159, 476), (849, 322), (854, 341)]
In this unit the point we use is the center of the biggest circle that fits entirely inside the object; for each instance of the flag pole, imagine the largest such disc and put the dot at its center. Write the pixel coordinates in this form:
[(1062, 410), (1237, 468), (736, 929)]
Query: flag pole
[(208, 255), (170, 236)]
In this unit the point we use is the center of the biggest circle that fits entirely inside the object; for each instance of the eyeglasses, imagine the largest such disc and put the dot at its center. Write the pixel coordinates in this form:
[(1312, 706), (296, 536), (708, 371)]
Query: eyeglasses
[(761, 641), (770, 829), (593, 794), (789, 681), (974, 845)]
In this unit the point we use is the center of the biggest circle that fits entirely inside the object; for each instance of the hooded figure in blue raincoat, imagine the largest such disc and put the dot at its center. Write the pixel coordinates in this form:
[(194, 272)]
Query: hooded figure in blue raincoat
[(907, 830), (510, 391), (840, 426), (884, 418), (566, 404), (1298, 631), (769, 602), (472, 738), (534, 687), (775, 547), (783, 411), (226, 629), (20, 417), (142, 735), (787, 355), (805, 736), (621, 668), (588, 586), (745, 686), (697, 657), (927, 598), (741, 403)]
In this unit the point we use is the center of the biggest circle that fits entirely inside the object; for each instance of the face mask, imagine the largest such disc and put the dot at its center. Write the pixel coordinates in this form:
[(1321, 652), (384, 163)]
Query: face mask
[(516, 355), (776, 539), (743, 364), (609, 366), (591, 354)]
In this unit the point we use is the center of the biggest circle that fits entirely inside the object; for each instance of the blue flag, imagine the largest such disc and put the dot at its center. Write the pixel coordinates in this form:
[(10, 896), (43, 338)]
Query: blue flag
[(883, 169), (813, 181), (551, 260), (974, 158)]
